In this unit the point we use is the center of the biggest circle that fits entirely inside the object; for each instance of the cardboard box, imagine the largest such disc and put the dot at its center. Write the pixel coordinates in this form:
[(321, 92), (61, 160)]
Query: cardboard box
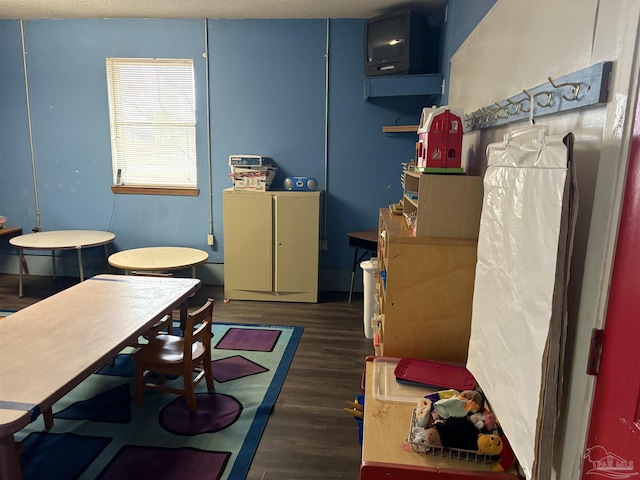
[(257, 179), (449, 206)]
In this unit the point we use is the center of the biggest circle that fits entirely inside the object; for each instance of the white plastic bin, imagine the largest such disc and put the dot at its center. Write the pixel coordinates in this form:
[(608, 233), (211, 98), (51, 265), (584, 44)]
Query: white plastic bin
[(368, 279)]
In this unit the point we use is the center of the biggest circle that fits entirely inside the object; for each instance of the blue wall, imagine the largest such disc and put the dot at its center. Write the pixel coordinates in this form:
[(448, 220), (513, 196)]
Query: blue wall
[(267, 96)]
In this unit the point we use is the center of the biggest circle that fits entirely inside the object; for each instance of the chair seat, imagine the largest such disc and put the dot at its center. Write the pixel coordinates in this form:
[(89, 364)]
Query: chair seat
[(166, 349)]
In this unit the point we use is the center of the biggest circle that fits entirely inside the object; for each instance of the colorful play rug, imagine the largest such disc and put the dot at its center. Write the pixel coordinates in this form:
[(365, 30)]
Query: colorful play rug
[(98, 432)]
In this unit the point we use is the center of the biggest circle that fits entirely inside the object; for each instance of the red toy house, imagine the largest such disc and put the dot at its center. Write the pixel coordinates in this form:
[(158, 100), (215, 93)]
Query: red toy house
[(439, 147)]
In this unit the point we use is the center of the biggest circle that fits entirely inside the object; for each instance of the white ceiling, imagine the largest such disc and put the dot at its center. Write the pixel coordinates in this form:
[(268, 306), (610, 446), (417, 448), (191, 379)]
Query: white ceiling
[(15, 9)]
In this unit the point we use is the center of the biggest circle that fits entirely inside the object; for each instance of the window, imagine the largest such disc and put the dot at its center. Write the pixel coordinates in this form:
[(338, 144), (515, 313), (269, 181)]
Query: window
[(152, 121)]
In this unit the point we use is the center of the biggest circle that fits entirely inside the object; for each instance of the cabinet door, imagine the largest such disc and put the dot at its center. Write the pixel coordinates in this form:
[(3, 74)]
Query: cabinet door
[(248, 241), (297, 219)]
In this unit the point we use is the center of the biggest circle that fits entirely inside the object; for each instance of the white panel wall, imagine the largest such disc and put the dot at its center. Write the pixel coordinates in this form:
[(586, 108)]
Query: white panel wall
[(516, 46)]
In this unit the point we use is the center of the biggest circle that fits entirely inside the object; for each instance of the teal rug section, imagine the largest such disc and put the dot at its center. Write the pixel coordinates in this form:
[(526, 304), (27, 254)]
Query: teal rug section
[(99, 433)]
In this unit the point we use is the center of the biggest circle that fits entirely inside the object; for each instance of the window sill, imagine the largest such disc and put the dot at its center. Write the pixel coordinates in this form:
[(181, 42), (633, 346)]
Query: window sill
[(142, 190)]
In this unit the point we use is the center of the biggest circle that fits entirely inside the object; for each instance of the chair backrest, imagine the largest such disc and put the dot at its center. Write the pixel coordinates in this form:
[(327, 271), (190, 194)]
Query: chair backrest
[(198, 328)]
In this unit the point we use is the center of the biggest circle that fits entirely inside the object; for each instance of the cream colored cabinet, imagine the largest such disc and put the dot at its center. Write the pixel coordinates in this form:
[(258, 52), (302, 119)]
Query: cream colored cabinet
[(271, 245)]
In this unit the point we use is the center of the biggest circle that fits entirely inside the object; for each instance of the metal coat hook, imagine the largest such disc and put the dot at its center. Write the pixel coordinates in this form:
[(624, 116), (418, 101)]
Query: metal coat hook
[(516, 107), (547, 103), (488, 113), (528, 98), (532, 98), (501, 112), (576, 89), (472, 120)]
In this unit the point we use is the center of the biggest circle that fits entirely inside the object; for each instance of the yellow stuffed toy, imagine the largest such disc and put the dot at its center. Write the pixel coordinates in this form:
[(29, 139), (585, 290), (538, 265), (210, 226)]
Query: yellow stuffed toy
[(489, 444)]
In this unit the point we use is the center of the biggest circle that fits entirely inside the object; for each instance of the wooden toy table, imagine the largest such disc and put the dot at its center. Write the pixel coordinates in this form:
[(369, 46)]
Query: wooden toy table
[(386, 427)]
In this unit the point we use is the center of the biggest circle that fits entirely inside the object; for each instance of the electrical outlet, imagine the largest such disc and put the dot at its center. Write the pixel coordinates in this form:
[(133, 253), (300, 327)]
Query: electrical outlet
[(210, 239)]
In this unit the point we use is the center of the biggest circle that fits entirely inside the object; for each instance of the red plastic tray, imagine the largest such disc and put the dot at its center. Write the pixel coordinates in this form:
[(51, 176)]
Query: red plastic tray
[(434, 374)]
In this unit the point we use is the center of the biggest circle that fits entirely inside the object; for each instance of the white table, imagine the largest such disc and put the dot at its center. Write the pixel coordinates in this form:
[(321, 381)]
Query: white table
[(61, 240), (48, 348), (159, 259)]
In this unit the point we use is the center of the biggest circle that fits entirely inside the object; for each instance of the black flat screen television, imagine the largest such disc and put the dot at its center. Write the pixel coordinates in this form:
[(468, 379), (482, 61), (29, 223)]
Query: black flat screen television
[(401, 43)]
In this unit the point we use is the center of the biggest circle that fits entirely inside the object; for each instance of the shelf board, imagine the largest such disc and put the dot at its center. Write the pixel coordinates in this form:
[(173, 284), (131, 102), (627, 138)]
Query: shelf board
[(402, 85), (400, 128)]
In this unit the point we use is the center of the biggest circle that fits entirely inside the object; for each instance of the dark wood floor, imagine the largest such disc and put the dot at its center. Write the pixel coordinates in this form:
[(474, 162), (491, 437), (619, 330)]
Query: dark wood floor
[(308, 435)]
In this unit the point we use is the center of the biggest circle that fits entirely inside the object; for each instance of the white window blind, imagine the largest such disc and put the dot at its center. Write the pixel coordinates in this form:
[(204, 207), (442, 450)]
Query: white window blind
[(152, 120)]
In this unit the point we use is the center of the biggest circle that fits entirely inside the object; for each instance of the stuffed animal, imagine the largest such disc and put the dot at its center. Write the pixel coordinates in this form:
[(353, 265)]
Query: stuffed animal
[(484, 421), (489, 444), (460, 405), (453, 432), (423, 413), (507, 457)]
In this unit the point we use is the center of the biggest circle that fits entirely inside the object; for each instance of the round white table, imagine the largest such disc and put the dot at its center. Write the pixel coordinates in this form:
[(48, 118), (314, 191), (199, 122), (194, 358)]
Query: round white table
[(61, 240), (158, 259)]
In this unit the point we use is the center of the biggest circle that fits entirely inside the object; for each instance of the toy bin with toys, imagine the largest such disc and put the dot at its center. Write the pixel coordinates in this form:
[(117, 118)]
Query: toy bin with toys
[(459, 425), (430, 420)]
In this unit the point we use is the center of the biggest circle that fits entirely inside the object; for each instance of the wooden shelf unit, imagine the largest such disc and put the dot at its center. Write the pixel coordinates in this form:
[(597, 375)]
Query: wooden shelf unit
[(426, 295), (447, 205)]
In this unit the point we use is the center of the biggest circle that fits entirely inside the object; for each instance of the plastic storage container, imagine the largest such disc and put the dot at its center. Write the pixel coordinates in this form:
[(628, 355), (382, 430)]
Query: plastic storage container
[(368, 279)]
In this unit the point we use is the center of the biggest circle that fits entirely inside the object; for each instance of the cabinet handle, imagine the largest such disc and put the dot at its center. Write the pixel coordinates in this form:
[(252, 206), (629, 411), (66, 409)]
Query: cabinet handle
[(279, 244)]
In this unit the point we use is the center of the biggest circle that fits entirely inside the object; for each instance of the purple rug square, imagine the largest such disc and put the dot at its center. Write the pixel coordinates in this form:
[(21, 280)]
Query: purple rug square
[(135, 463), (216, 411), (250, 339), (232, 368)]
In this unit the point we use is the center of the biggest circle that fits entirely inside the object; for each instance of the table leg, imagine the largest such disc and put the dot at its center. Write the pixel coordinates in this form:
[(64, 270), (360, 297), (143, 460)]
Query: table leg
[(80, 265), (193, 272), (9, 465), (183, 315), (24, 265), (53, 263), (47, 415), (21, 253), (106, 254), (353, 271)]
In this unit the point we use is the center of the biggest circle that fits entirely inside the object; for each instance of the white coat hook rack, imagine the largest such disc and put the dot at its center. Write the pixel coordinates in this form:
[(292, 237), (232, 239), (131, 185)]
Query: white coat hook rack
[(582, 88)]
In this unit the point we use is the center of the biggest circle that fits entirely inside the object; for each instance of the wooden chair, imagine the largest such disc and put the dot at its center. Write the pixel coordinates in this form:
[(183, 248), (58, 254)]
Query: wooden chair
[(183, 356)]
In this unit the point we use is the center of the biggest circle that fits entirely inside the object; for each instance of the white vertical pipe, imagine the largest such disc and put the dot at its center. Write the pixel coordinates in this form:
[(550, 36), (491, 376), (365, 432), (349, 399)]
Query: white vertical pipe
[(206, 81), (37, 228), (326, 131)]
